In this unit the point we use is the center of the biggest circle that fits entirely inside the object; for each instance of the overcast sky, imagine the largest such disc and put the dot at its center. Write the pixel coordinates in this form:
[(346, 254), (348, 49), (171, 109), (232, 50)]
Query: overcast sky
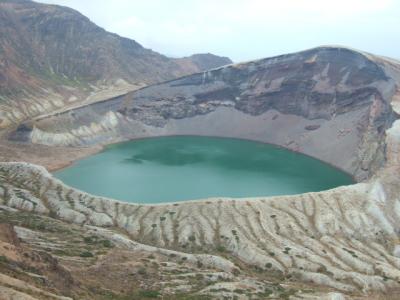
[(248, 29)]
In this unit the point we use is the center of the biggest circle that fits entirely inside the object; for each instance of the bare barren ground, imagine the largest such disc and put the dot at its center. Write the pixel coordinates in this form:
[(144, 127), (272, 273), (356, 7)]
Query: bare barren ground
[(60, 243), (41, 257), (52, 158)]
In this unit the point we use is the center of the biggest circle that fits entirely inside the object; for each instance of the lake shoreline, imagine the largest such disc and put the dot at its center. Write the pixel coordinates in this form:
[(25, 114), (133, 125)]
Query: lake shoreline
[(93, 150), (195, 167)]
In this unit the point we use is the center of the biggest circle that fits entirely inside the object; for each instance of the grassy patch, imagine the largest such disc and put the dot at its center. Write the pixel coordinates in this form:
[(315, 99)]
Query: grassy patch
[(86, 254), (221, 248)]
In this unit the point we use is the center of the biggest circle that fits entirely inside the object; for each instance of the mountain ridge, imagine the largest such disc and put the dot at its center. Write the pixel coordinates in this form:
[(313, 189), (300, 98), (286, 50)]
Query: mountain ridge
[(52, 56), (333, 104), (306, 90)]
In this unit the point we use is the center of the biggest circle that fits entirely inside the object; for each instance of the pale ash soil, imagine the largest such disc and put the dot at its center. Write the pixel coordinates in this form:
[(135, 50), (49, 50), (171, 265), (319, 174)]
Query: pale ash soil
[(337, 244), (329, 102), (53, 158), (327, 245)]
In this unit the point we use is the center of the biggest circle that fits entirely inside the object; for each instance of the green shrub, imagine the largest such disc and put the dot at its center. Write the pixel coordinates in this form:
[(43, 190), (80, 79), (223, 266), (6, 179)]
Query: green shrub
[(142, 271), (148, 294), (89, 240), (221, 248), (86, 254), (107, 243)]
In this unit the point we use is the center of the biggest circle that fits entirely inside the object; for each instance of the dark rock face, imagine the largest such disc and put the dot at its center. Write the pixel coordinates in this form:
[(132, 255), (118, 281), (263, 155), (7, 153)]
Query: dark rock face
[(331, 103), (61, 41), (21, 134), (315, 84), (312, 127), (44, 48)]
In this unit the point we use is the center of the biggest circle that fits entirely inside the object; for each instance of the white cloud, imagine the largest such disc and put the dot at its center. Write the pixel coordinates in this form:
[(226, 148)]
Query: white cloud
[(245, 29)]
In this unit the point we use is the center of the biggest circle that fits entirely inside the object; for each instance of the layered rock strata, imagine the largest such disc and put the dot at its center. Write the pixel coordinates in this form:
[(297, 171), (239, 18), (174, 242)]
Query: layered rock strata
[(331, 103), (345, 239)]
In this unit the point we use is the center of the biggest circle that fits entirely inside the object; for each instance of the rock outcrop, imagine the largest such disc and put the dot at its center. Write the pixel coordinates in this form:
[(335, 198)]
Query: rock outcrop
[(331, 103), (335, 104), (346, 238), (53, 57)]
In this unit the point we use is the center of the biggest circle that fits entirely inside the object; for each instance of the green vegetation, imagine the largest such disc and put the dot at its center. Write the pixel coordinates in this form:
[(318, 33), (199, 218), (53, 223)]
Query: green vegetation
[(107, 243), (86, 254), (221, 248), (142, 271), (149, 294), (34, 222), (141, 294), (57, 231), (95, 240)]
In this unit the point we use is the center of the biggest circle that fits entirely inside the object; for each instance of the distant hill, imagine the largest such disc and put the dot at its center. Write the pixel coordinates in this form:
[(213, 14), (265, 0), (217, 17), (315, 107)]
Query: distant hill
[(53, 56), (202, 62)]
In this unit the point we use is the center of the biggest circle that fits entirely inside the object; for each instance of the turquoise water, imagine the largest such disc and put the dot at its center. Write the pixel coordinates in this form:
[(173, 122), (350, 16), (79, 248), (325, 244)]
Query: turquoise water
[(179, 168)]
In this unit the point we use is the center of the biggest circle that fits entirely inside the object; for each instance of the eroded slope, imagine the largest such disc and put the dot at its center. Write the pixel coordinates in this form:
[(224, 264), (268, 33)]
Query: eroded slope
[(53, 57), (345, 239), (331, 103)]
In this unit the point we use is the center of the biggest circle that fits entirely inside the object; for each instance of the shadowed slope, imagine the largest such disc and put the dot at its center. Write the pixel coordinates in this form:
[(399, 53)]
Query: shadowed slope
[(52, 56)]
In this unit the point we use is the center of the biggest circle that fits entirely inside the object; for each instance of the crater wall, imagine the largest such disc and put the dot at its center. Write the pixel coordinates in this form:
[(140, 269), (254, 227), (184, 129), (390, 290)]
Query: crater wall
[(345, 239), (331, 103)]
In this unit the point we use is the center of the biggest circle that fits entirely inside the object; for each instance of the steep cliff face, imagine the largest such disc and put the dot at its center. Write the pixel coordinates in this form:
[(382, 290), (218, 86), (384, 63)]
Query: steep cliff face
[(317, 245), (52, 55), (331, 103), (345, 239)]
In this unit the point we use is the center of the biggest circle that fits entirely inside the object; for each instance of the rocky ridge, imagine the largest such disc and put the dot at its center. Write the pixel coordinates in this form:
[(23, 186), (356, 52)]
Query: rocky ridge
[(331, 103), (52, 57), (342, 243), (345, 238)]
